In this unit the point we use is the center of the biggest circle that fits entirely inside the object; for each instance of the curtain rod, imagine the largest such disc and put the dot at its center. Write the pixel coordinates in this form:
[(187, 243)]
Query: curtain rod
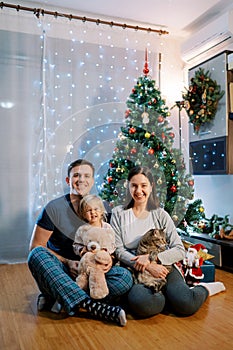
[(38, 11)]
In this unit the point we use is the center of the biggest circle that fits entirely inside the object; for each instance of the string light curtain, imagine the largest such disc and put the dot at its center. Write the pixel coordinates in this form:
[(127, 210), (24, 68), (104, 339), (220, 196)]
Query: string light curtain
[(64, 86)]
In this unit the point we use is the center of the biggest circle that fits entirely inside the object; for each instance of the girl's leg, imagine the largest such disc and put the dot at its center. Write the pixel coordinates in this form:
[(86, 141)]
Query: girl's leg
[(181, 299), (144, 302)]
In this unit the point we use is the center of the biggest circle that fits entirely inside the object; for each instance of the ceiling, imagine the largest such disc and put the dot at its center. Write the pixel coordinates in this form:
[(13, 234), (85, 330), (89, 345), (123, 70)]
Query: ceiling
[(178, 17)]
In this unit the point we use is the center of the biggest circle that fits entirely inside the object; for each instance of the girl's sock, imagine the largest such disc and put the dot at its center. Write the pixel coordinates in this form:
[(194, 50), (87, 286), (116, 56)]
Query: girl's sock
[(104, 311)]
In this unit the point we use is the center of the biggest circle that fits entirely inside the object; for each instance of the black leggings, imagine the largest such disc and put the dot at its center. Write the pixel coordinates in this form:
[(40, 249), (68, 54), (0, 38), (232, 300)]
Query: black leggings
[(177, 296)]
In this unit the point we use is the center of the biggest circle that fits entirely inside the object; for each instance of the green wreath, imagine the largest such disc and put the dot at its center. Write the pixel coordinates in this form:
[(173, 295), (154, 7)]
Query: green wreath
[(201, 99)]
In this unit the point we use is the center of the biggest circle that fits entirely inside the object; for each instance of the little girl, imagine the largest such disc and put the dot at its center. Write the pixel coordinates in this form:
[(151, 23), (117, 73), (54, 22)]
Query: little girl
[(91, 210)]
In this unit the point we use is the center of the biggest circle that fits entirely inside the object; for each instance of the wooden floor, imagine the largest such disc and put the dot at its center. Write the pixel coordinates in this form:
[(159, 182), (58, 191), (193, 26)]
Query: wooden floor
[(22, 328)]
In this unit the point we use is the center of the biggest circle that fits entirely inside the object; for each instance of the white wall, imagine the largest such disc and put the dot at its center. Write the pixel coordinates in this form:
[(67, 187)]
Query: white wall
[(216, 192)]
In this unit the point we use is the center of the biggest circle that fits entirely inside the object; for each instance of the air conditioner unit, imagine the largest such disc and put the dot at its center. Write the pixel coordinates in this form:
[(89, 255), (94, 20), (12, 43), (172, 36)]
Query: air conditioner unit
[(213, 37)]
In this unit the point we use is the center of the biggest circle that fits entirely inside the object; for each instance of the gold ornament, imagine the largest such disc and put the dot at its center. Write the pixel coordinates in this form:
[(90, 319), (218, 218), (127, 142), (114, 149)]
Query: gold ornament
[(204, 96), (201, 210)]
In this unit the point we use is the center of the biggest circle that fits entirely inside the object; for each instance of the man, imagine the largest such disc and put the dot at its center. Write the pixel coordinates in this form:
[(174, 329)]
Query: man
[(52, 261)]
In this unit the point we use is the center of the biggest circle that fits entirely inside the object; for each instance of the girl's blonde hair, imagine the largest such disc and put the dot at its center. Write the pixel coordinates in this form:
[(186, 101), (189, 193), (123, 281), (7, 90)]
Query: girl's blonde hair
[(93, 201)]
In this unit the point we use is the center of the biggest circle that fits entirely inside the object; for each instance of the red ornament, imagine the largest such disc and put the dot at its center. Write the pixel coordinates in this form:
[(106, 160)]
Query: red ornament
[(132, 130), (172, 135), (173, 189), (151, 151), (160, 119), (146, 69), (163, 136), (191, 182), (133, 150), (109, 179), (127, 113), (202, 77)]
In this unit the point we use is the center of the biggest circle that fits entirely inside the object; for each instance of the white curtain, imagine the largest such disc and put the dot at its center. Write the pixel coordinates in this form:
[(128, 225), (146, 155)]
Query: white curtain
[(64, 86)]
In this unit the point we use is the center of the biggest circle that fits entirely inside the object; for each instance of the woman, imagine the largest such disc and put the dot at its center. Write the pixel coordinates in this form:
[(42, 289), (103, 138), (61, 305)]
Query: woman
[(130, 223)]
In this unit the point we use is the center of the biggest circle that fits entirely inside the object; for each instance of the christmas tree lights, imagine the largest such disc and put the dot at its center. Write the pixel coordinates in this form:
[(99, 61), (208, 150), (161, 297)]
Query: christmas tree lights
[(147, 139)]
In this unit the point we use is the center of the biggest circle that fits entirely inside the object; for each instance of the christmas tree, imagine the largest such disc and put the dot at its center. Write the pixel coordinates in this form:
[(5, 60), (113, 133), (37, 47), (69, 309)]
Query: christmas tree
[(147, 139)]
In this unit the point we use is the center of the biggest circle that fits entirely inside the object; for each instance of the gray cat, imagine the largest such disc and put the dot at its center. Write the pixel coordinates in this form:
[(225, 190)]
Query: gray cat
[(152, 243)]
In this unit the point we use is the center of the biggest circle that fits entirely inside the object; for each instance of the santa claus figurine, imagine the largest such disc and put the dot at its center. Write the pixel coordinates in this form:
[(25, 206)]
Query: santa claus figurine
[(192, 265)]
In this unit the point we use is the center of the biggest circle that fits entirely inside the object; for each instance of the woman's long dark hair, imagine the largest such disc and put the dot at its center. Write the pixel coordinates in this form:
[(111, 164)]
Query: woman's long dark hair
[(153, 201)]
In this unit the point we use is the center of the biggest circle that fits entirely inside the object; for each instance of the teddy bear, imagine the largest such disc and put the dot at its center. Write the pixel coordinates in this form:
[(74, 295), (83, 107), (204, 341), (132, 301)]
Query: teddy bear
[(100, 244), (152, 243)]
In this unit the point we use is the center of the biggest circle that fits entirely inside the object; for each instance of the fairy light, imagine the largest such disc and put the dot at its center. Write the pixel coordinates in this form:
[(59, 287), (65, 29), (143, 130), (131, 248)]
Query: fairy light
[(92, 74)]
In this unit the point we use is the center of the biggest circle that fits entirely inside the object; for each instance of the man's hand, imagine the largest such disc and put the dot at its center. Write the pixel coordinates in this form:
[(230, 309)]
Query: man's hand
[(73, 267), (105, 268)]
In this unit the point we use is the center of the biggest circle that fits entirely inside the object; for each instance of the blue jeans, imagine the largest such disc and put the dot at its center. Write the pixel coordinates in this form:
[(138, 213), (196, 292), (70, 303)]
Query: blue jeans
[(54, 281), (176, 296)]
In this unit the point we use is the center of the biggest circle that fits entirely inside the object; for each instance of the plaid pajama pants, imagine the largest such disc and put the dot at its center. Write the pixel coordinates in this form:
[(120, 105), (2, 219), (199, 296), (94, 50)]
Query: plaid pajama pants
[(53, 280)]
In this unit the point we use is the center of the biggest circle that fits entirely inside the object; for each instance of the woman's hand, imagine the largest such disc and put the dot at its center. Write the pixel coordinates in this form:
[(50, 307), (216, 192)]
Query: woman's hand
[(157, 270), (141, 262)]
